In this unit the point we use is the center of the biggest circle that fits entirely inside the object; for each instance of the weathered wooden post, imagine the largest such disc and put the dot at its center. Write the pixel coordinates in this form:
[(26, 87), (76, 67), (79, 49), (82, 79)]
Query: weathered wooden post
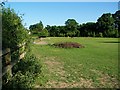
[(8, 63), (22, 51)]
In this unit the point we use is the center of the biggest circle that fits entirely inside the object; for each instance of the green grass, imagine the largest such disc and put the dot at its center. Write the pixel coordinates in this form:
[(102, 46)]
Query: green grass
[(96, 65)]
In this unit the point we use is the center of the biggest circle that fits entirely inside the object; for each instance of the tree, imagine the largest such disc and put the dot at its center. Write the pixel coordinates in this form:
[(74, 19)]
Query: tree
[(116, 17), (62, 31), (106, 25), (71, 26), (87, 29), (36, 28), (43, 33), (54, 31)]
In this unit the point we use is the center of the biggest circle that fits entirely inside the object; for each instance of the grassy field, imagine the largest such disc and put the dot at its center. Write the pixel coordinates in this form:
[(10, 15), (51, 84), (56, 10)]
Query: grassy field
[(95, 66)]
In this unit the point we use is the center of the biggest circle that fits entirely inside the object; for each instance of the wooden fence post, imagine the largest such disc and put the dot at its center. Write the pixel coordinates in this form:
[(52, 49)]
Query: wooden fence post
[(8, 63), (22, 51)]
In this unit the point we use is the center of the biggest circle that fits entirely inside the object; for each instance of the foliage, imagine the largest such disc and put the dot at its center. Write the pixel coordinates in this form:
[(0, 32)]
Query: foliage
[(71, 23), (13, 32), (71, 26), (88, 29), (29, 64), (36, 28), (116, 17), (43, 33), (24, 73), (20, 81), (106, 26), (15, 35)]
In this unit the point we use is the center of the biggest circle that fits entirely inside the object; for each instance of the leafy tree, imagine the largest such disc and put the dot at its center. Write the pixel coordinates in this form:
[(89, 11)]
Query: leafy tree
[(43, 33), (71, 26), (88, 29), (54, 31), (116, 17), (13, 32), (36, 28), (48, 27), (71, 23), (106, 25)]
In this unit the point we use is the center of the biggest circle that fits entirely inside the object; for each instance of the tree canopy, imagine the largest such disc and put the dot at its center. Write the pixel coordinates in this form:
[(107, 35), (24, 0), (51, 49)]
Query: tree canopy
[(36, 28), (106, 26)]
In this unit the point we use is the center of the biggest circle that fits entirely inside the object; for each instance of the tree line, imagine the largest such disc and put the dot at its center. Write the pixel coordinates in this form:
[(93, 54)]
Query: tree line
[(106, 26)]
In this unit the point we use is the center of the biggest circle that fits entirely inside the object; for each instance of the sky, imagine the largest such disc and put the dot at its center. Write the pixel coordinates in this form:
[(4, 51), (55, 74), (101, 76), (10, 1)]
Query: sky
[(62, 0), (56, 13)]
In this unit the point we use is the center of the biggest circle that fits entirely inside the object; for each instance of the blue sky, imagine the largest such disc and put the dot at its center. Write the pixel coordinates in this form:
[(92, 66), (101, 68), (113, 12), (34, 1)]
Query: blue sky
[(56, 13)]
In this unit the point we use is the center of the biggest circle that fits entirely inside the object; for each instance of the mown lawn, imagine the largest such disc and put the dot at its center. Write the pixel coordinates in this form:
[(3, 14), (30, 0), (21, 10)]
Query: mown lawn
[(96, 65)]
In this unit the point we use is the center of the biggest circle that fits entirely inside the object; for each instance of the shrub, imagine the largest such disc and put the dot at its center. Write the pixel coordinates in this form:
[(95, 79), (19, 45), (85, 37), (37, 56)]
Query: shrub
[(13, 32), (20, 81), (24, 74), (29, 63)]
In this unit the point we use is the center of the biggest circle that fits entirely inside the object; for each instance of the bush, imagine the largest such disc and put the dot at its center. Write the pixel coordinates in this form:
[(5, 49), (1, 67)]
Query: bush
[(13, 32), (20, 81), (24, 74), (29, 63)]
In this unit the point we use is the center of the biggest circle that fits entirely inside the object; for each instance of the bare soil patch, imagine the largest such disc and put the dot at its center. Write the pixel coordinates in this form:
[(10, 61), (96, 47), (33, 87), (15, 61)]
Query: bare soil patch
[(68, 45), (41, 43), (106, 80), (82, 83), (57, 68)]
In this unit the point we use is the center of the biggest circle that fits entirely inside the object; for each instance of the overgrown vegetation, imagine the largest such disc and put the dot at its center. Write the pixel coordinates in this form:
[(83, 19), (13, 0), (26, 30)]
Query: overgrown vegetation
[(15, 36), (25, 74), (13, 32)]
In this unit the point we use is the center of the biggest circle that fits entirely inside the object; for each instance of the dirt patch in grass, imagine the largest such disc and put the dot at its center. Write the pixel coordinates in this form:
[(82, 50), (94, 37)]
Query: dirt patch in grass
[(106, 80), (56, 68), (41, 43), (51, 64), (68, 45), (81, 84)]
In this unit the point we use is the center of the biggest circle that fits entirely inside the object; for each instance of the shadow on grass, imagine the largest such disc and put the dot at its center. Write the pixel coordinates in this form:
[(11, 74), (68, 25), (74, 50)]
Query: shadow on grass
[(111, 42)]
